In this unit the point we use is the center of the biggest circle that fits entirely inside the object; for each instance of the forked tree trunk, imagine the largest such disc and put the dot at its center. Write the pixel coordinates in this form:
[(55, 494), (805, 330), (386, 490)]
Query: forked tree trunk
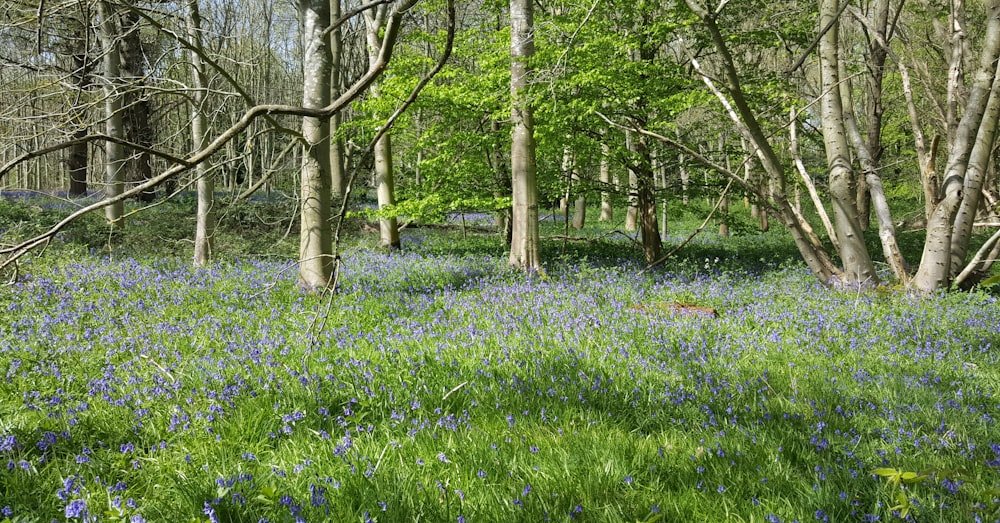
[(858, 266), (877, 200), (524, 248), (315, 241), (975, 177), (204, 232), (975, 130), (740, 112)]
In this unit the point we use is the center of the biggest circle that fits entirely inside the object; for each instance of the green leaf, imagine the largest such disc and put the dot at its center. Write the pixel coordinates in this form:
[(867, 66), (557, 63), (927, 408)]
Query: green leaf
[(886, 472), (912, 477), (991, 281)]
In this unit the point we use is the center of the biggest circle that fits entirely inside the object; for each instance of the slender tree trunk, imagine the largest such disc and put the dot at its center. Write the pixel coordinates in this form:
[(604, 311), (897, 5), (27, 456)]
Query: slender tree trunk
[(607, 212), (338, 166), (77, 161), (926, 157), (685, 174), (956, 72), (502, 187), (808, 181), (315, 241), (858, 266), (632, 214), (524, 249), (874, 109), (384, 182), (205, 220), (114, 151)]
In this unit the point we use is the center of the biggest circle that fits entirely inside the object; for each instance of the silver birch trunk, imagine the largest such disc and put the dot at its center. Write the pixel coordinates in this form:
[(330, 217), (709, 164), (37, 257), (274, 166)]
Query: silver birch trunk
[(315, 241), (205, 218), (524, 248), (115, 126), (858, 266), (926, 156)]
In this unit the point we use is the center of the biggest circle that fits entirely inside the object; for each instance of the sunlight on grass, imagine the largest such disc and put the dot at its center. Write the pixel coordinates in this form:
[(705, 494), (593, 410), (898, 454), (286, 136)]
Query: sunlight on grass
[(449, 388)]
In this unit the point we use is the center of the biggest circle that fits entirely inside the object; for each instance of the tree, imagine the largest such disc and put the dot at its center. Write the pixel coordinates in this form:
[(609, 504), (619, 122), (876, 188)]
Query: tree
[(205, 218), (524, 249), (388, 228), (950, 225), (77, 161), (315, 240), (109, 35), (858, 266)]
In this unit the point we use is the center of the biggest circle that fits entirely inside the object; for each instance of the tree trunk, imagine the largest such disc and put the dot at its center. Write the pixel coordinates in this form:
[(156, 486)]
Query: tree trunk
[(76, 162), (384, 183), (338, 175), (869, 168), (926, 157), (974, 130), (877, 53), (388, 227), (645, 187), (315, 241), (136, 105), (205, 219), (858, 266), (524, 249), (114, 151), (607, 212), (793, 141), (975, 177), (501, 173), (632, 213)]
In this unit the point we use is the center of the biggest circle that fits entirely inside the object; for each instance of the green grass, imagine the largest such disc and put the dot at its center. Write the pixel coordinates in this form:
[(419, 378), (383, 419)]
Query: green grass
[(440, 385)]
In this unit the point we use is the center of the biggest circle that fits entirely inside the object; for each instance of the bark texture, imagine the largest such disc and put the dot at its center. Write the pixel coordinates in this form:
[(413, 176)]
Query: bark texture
[(205, 219), (315, 241), (524, 251), (109, 34)]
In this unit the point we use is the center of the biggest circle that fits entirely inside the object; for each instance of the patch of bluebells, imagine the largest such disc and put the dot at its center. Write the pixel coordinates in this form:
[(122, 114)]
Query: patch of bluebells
[(562, 355)]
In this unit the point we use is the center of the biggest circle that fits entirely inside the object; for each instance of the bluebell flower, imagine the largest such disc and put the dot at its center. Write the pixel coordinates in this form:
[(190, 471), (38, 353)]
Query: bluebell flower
[(77, 509)]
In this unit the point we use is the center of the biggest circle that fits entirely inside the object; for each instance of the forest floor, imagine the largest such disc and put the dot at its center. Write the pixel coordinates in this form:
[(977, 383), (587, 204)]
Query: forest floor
[(439, 385)]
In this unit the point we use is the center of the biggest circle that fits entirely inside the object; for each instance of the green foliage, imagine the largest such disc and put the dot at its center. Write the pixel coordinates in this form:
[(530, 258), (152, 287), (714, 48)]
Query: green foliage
[(433, 208)]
